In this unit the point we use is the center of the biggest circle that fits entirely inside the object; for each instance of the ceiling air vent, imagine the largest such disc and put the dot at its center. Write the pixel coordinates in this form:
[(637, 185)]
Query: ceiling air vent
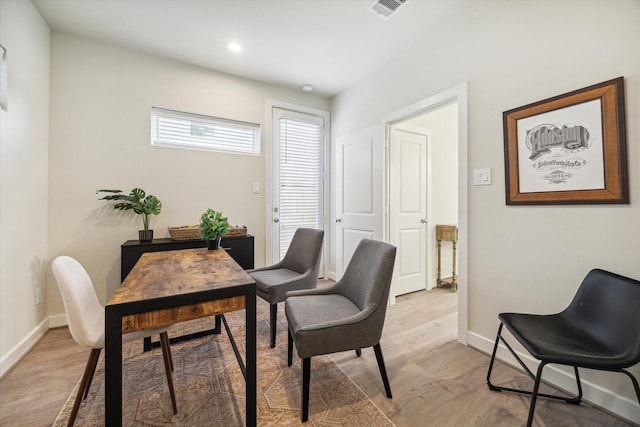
[(386, 7)]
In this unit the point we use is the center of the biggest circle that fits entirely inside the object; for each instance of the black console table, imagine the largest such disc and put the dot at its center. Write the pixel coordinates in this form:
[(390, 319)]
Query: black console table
[(239, 247)]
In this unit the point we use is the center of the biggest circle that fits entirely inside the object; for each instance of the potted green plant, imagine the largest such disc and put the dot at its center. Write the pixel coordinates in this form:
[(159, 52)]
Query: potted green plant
[(212, 227), (138, 201)]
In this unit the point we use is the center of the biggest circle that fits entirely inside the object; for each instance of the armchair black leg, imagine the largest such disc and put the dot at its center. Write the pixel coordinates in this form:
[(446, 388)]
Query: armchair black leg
[(358, 352), (383, 371), (289, 348), (306, 377), (273, 316)]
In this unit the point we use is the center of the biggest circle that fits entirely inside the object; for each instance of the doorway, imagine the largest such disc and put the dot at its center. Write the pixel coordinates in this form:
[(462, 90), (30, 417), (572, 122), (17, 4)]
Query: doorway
[(298, 159), (369, 151), (442, 168), (423, 192)]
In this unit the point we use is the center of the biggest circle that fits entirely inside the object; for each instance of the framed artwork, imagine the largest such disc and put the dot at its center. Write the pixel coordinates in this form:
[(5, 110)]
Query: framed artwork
[(569, 149)]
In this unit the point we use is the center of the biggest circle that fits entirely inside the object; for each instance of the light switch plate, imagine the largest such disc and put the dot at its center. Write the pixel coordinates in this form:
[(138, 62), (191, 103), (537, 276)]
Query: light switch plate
[(482, 176)]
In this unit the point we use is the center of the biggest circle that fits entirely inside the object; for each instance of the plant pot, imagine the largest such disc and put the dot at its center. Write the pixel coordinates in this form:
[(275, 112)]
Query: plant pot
[(213, 243), (145, 235)]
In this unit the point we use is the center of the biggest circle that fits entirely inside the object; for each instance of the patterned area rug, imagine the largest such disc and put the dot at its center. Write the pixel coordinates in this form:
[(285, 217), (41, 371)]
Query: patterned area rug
[(210, 388)]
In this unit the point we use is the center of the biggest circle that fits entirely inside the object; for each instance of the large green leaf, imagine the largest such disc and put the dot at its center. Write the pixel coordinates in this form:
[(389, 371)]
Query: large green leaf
[(137, 200)]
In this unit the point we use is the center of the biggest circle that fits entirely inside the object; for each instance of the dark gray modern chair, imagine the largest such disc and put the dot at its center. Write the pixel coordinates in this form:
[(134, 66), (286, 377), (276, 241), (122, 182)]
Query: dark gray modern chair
[(297, 270), (600, 330), (347, 315)]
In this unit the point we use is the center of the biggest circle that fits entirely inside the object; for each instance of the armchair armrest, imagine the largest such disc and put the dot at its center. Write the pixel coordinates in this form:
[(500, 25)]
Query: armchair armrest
[(322, 290), (269, 267)]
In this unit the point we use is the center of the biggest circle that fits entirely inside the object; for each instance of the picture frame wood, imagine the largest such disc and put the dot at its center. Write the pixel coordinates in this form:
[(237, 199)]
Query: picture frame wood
[(569, 149)]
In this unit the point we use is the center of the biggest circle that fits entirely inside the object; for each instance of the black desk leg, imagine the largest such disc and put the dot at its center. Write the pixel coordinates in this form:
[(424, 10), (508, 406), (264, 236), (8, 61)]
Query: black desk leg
[(148, 344), (113, 369), (217, 328), (251, 381)]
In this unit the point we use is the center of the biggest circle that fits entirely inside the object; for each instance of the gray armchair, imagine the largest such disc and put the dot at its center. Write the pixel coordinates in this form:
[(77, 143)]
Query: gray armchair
[(347, 315), (297, 270)]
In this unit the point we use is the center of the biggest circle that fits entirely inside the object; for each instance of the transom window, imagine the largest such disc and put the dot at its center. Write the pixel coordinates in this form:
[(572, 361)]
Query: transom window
[(196, 131)]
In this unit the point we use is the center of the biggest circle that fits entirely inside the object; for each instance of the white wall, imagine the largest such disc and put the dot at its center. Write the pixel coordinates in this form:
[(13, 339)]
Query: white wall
[(513, 53), (101, 98), (24, 134)]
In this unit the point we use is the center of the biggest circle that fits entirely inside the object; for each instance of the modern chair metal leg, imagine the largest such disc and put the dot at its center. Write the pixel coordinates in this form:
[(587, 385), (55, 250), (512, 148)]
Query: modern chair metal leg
[(383, 371), (166, 354), (567, 399), (84, 384), (306, 377), (493, 358), (273, 316), (536, 378), (289, 348), (636, 387), (578, 397), (534, 394), (93, 359)]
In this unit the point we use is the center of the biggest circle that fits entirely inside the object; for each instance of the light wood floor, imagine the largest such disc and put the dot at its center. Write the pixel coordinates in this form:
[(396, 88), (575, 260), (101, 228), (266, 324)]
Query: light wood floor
[(435, 380)]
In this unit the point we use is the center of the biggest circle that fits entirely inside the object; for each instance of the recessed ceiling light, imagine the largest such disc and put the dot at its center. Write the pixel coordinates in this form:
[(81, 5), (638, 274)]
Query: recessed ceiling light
[(307, 88), (234, 47)]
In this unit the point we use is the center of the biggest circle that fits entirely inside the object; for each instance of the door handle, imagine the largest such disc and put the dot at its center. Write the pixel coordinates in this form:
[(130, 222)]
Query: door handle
[(424, 221), (276, 219), (338, 219)]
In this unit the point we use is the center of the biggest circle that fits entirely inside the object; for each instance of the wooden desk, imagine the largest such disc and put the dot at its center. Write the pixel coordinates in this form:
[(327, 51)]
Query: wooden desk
[(239, 247), (175, 286)]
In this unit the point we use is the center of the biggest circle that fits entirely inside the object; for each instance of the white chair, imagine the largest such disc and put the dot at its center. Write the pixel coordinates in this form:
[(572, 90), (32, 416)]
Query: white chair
[(85, 316)]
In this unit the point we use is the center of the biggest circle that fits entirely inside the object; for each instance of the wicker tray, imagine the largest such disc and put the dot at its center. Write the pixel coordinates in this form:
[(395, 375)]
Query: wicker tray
[(186, 232), (235, 232)]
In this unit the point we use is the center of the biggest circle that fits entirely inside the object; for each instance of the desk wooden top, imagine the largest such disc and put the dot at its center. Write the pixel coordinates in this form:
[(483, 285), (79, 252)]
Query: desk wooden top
[(171, 273)]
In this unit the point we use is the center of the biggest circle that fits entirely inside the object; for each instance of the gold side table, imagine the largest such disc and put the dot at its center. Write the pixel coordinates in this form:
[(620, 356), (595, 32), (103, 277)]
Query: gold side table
[(448, 233)]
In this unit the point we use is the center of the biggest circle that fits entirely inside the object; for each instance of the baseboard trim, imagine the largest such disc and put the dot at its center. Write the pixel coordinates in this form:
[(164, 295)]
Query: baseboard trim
[(596, 395), (58, 321), (23, 347)]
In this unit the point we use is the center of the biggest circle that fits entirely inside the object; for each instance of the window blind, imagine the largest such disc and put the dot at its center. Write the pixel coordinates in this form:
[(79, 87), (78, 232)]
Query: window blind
[(301, 176), (187, 130)]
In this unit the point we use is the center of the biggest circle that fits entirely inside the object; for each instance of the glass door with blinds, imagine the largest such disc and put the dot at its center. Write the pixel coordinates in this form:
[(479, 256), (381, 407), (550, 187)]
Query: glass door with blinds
[(298, 173)]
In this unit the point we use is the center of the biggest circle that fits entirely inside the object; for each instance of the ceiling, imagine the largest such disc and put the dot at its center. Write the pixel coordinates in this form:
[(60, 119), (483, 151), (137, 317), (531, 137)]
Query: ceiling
[(330, 44)]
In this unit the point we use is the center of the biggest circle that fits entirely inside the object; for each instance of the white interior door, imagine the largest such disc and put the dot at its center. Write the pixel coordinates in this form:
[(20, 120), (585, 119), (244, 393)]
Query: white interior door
[(359, 192), (298, 175), (408, 193)]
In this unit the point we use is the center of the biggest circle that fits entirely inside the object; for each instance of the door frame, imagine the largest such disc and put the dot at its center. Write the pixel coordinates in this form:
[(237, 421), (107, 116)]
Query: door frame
[(270, 104), (457, 94)]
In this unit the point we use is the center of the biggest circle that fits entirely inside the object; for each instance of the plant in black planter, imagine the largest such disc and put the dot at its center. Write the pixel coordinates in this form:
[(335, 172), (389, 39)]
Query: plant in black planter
[(138, 201), (212, 227)]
